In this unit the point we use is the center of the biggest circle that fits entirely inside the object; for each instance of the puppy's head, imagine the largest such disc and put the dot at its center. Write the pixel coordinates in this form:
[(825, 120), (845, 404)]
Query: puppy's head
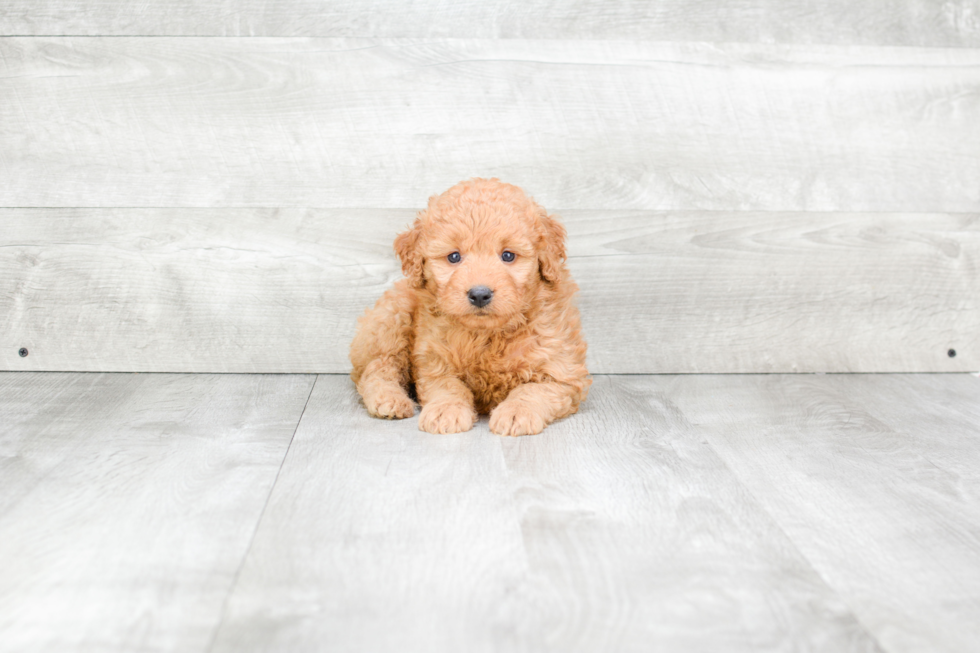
[(481, 249)]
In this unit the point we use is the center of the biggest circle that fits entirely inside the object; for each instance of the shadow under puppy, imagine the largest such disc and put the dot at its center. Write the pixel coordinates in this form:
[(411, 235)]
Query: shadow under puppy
[(484, 321)]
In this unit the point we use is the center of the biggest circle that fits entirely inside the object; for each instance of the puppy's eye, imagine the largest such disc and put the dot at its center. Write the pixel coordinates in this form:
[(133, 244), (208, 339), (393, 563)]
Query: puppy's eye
[(508, 256), (454, 257)]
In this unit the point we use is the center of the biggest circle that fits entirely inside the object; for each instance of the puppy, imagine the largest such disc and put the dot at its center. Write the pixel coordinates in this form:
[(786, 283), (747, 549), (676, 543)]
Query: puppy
[(483, 322)]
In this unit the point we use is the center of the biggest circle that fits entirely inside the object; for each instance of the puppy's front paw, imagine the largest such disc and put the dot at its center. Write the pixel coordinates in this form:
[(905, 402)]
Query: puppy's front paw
[(390, 404), (446, 417), (513, 418)]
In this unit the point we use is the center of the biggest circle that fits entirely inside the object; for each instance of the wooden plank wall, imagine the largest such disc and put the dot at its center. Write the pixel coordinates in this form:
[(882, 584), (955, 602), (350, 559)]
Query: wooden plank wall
[(766, 187), (951, 23)]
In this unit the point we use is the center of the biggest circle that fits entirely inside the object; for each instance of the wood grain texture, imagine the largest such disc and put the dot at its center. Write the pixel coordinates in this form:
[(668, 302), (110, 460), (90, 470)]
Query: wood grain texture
[(692, 513), (379, 537), (236, 290), (886, 511), (892, 22), (639, 538), (262, 290), (127, 503), (581, 124), (767, 292), (617, 529)]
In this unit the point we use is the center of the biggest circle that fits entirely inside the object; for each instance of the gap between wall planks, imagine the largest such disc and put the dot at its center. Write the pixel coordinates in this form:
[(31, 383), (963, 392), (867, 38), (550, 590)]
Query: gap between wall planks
[(208, 122), (886, 22), (262, 290)]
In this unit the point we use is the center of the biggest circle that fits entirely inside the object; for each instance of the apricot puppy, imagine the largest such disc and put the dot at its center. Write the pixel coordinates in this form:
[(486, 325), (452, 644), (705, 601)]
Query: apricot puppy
[(483, 322)]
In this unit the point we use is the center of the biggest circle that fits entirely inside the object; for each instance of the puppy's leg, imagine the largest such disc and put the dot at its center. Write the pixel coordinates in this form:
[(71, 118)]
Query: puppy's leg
[(531, 406), (447, 405), (381, 354), (382, 391)]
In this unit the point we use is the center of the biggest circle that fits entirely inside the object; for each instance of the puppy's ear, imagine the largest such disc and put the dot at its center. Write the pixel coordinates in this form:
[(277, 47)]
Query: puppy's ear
[(407, 248), (551, 248)]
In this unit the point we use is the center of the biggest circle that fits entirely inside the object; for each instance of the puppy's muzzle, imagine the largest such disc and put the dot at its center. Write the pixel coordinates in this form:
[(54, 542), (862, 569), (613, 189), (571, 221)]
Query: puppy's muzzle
[(480, 296)]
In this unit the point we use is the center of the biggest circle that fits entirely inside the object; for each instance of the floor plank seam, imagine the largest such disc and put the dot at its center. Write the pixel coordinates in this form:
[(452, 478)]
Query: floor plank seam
[(762, 508), (258, 522)]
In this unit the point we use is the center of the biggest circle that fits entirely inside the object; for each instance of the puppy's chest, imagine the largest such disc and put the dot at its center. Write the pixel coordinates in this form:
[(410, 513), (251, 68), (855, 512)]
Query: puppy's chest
[(491, 368)]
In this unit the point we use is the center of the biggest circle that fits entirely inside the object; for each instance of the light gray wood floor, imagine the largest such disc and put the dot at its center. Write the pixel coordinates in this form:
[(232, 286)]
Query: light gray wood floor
[(164, 512)]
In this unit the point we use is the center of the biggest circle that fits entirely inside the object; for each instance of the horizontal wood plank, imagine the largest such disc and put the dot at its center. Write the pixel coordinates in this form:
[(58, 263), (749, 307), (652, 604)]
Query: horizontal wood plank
[(210, 122), (261, 290), (129, 501), (886, 510), (616, 529), (889, 22), (778, 292)]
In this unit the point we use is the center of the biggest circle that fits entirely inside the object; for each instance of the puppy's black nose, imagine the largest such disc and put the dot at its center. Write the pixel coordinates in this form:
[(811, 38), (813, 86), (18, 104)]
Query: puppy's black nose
[(480, 296)]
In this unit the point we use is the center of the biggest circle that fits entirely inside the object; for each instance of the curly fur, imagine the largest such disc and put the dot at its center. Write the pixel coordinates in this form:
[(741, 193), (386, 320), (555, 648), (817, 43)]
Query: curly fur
[(521, 358)]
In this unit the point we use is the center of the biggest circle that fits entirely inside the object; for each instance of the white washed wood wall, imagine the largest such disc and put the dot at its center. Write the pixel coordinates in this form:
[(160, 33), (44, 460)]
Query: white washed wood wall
[(769, 186)]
